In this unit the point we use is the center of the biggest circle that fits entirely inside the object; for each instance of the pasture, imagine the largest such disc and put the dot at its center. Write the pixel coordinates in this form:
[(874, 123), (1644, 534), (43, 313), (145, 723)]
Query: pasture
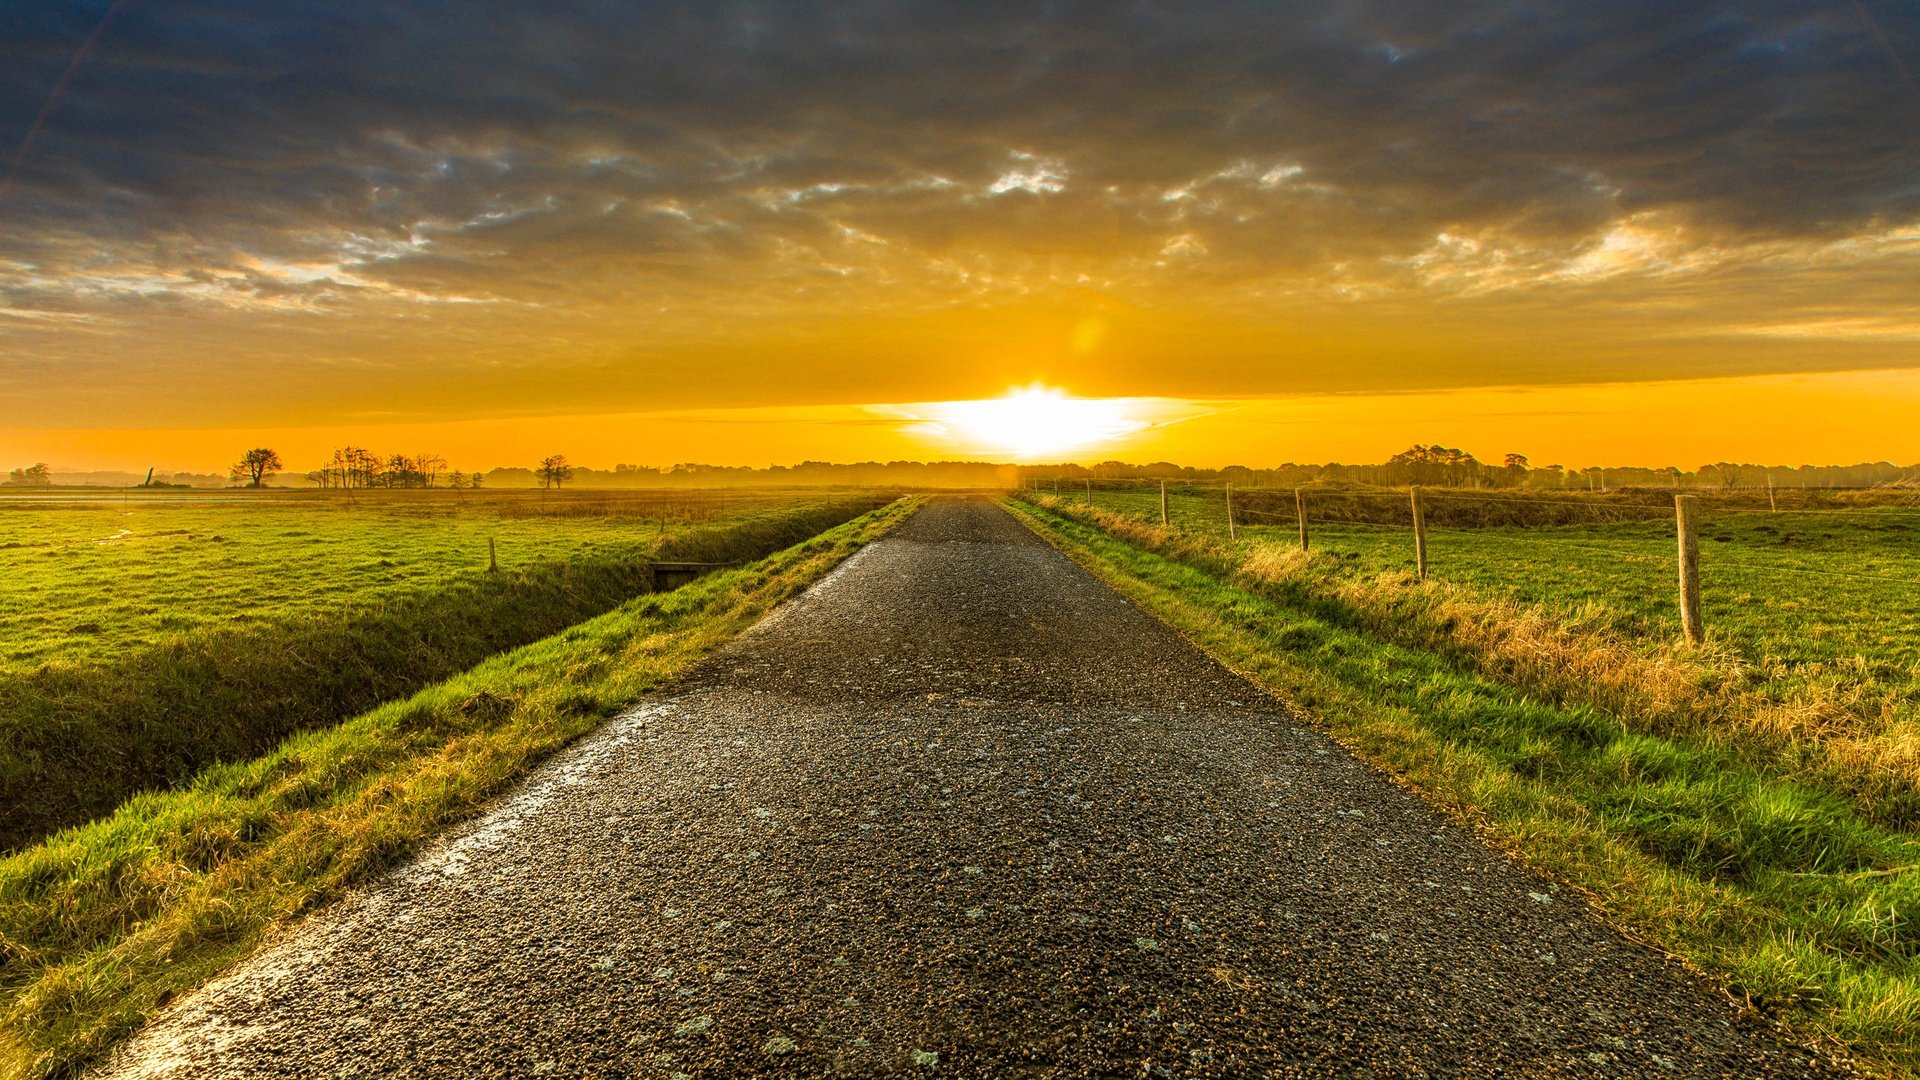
[(93, 577), (1821, 593), (149, 639)]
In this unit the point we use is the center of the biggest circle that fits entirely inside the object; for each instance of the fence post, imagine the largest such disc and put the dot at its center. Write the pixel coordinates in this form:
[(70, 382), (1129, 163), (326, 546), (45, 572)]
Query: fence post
[(1089, 492), (493, 557), (1419, 532), (1300, 508), (1772, 506), (1689, 569), (1232, 532), (1163, 502)]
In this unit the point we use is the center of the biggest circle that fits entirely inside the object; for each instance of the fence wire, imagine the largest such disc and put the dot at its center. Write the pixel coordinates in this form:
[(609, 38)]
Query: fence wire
[(1539, 534)]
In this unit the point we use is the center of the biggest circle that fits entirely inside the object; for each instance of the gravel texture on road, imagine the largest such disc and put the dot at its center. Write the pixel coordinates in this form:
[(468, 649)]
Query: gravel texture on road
[(959, 810)]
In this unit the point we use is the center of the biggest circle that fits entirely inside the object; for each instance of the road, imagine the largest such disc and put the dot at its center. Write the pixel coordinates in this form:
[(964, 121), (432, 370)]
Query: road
[(959, 810)]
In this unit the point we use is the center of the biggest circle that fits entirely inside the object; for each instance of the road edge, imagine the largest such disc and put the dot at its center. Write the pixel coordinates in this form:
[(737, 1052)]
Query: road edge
[(1456, 807)]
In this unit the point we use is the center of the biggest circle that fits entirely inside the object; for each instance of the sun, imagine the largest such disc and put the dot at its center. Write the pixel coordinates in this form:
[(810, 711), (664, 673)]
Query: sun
[(1031, 422)]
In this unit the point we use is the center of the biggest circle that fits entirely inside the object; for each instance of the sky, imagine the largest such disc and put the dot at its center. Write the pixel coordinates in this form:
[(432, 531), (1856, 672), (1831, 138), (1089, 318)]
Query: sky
[(1632, 232)]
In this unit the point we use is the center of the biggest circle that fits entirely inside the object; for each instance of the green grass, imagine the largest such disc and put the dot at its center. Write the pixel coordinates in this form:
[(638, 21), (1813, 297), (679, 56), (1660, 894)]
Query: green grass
[(96, 580), (101, 924), (1826, 597), (1760, 875), (346, 605)]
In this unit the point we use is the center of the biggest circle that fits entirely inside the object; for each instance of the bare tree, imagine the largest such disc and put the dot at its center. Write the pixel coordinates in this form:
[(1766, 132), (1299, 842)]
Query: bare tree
[(364, 465), (352, 467), (457, 480), (554, 471), (255, 466), (430, 467)]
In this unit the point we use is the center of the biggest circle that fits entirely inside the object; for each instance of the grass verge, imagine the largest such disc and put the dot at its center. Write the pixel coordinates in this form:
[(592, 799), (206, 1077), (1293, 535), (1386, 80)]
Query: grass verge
[(1846, 731), (77, 739), (1784, 889), (104, 923)]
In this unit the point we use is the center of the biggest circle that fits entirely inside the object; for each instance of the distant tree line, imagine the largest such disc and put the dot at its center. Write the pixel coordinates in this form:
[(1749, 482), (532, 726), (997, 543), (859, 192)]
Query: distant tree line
[(1444, 466), (929, 474), (35, 475), (353, 467)]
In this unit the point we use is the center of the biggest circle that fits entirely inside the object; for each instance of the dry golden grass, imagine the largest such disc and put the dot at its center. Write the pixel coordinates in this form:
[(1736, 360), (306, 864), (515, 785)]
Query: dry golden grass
[(1723, 824), (1841, 736)]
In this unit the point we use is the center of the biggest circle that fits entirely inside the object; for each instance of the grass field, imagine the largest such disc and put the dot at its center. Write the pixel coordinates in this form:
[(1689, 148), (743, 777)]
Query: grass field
[(101, 924), (94, 579), (1826, 597), (149, 640), (1635, 773)]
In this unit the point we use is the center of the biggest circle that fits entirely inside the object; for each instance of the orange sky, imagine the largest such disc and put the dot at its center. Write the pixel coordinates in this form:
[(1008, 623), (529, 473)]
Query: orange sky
[(1781, 419), (741, 234)]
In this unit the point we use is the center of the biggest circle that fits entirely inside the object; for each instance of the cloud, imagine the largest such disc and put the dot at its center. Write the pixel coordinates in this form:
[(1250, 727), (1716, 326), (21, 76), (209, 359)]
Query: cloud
[(473, 191)]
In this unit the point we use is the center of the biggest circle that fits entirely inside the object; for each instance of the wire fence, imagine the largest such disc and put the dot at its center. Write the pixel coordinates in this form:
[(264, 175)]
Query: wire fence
[(1626, 545)]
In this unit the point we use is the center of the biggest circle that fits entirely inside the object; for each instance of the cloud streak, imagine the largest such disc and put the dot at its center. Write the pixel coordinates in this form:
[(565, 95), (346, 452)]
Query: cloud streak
[(484, 203)]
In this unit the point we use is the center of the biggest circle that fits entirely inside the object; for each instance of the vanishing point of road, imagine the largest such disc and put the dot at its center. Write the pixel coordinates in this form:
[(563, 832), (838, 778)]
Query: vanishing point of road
[(959, 810)]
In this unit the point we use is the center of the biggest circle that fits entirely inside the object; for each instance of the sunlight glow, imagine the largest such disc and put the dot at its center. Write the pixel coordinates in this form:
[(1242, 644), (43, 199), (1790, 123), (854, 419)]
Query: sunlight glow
[(1029, 422)]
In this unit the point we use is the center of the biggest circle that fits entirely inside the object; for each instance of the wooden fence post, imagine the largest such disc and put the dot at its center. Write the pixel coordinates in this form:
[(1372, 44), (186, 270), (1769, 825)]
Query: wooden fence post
[(1163, 502), (1232, 532), (1300, 508), (1419, 532), (1772, 506), (1689, 569), (1089, 492), (493, 557)]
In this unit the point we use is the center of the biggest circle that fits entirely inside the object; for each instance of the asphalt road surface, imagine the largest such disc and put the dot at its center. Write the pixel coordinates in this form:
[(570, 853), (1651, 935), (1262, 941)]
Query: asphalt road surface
[(960, 810)]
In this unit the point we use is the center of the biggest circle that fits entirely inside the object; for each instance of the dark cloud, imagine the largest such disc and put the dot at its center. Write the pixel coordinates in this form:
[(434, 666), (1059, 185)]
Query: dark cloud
[(577, 159)]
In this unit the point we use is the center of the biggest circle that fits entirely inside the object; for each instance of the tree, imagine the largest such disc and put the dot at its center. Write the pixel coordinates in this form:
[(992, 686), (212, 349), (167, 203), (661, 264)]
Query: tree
[(475, 480), (1435, 465), (430, 467), (1516, 468), (35, 475), (1724, 473), (336, 470), (554, 471), (352, 467), (363, 466), (255, 466), (457, 480), (401, 471)]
